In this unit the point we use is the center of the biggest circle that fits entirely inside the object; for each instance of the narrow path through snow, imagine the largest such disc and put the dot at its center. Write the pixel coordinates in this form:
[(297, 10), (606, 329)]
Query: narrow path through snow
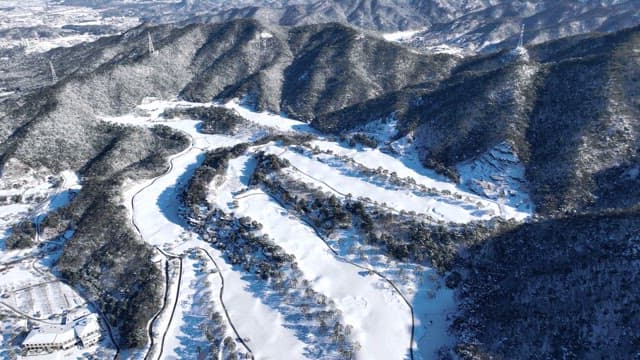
[(383, 318), (155, 211)]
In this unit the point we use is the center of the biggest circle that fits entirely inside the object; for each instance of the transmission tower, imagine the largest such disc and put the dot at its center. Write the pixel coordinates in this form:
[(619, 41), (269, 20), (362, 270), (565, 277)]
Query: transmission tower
[(45, 15), (152, 50), (54, 77), (521, 42)]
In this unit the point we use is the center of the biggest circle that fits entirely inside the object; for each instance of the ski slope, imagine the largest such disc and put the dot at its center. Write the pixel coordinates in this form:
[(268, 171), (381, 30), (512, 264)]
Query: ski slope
[(155, 211), (382, 320), (387, 320)]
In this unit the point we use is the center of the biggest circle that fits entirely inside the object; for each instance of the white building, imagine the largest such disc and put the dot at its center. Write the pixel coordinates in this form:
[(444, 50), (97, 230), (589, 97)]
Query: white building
[(84, 331), (50, 338), (88, 330)]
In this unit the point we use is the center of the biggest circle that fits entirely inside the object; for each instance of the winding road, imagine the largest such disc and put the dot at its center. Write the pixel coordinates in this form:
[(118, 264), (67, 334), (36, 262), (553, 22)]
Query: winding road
[(168, 257)]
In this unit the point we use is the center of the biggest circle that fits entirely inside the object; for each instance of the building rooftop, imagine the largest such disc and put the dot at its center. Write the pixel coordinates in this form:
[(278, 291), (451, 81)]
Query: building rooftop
[(64, 333), (49, 334), (87, 325)]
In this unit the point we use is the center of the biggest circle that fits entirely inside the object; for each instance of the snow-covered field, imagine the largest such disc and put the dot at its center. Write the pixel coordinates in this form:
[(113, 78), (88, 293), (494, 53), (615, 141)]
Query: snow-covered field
[(383, 320), (30, 14), (381, 314), (401, 35)]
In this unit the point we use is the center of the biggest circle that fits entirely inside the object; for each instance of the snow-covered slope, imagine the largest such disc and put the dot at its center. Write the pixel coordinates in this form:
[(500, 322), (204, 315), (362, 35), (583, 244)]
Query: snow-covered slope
[(384, 317)]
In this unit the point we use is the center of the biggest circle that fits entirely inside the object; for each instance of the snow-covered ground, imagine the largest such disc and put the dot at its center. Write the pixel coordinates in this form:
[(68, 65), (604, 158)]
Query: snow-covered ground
[(498, 174), (440, 208), (382, 319), (29, 14), (196, 313), (401, 35), (365, 300), (274, 121)]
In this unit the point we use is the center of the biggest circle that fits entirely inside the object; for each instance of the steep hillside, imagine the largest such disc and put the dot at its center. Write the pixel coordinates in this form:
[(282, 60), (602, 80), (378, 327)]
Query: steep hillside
[(567, 108), (554, 289), (335, 67)]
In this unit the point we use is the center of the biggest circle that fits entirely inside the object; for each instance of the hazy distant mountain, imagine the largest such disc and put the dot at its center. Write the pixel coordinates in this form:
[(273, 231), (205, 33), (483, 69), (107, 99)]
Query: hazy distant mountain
[(471, 24), (498, 26)]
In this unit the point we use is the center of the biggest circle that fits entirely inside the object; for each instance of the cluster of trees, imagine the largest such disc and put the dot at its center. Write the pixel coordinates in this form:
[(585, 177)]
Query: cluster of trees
[(244, 246), (285, 139), (215, 163), (402, 236), (383, 176), (22, 235), (267, 163), (559, 288), (360, 138), (241, 243), (109, 262), (105, 257), (215, 120)]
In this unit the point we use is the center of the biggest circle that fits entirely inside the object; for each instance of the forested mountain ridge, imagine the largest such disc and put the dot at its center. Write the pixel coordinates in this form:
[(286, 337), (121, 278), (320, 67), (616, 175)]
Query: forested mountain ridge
[(475, 25), (568, 109)]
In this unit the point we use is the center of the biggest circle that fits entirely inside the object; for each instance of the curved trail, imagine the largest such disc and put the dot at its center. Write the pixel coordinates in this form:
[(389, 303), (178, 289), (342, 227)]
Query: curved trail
[(168, 256), (175, 303), (345, 260)]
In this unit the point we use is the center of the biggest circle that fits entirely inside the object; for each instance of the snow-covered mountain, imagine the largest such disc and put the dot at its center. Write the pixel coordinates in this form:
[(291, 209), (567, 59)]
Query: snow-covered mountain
[(301, 189), (497, 26)]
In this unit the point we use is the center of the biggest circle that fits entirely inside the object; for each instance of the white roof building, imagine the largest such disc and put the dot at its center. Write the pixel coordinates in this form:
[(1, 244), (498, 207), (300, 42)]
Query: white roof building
[(88, 330), (84, 331), (50, 337)]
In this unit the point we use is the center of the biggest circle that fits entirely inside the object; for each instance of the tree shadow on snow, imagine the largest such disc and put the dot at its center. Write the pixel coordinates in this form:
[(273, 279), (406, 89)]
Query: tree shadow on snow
[(169, 201)]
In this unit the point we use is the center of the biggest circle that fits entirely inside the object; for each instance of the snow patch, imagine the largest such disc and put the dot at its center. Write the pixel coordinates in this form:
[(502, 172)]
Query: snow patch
[(400, 36), (498, 174), (269, 120)]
